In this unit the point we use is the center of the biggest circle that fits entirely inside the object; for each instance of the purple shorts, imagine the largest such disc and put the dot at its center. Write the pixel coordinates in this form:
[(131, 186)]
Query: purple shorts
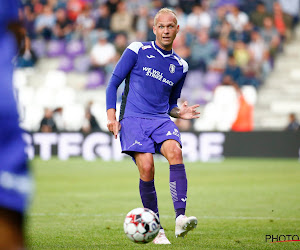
[(146, 135)]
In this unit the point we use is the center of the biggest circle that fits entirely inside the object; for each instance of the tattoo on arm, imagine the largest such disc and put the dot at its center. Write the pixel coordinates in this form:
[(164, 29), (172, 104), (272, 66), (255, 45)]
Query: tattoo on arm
[(175, 112)]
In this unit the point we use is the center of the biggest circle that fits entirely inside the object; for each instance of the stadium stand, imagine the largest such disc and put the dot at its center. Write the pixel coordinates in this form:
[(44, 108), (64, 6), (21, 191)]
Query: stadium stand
[(280, 93), (256, 43)]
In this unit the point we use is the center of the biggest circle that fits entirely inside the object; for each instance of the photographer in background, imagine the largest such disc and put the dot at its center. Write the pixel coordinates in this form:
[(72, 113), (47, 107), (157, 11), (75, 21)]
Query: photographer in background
[(293, 124)]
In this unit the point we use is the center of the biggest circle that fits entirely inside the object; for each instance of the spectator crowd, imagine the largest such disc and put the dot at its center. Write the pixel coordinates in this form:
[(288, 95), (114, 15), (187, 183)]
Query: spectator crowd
[(224, 41)]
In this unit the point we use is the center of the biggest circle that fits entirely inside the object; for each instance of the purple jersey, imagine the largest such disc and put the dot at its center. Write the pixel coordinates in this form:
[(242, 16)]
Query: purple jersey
[(8, 13), (153, 81)]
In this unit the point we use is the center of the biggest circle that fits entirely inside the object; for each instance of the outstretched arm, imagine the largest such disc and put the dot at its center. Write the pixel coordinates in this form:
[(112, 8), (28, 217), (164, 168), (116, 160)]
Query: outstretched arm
[(185, 112)]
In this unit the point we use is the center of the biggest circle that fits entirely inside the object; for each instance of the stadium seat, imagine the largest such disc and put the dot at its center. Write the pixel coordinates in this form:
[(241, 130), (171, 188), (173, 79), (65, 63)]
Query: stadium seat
[(65, 96), (194, 79), (212, 79), (73, 117), (95, 79), (66, 64), (26, 95), (203, 97), (45, 97), (279, 122), (32, 117), (193, 87), (55, 79), (225, 100), (207, 120), (295, 74), (75, 48), (285, 107), (250, 94), (99, 111), (19, 78), (56, 48), (39, 46), (82, 63)]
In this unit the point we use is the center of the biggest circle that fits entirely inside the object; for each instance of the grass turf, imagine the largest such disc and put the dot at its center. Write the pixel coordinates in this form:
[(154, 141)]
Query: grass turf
[(82, 205)]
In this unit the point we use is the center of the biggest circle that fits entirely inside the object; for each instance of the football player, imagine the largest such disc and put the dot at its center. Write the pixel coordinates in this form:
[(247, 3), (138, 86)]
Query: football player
[(154, 75), (15, 182)]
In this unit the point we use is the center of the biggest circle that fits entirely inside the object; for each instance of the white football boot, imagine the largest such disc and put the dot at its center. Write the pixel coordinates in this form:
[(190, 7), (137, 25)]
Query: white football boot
[(184, 225), (161, 238)]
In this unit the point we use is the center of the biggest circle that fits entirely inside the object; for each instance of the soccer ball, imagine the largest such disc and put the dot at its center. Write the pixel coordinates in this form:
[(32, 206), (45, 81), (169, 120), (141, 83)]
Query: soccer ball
[(141, 225)]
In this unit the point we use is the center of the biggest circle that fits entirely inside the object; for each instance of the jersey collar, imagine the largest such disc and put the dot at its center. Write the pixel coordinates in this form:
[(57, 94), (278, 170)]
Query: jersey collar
[(164, 53)]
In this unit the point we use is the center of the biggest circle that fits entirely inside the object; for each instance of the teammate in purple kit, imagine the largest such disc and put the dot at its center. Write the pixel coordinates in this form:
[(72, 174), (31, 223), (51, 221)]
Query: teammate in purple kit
[(15, 182), (154, 75)]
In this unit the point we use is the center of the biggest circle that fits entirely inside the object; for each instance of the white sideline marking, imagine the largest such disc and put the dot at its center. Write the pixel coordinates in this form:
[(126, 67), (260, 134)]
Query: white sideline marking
[(164, 216)]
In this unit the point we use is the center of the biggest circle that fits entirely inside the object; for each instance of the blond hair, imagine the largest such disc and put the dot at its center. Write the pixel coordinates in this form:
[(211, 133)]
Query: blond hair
[(164, 11)]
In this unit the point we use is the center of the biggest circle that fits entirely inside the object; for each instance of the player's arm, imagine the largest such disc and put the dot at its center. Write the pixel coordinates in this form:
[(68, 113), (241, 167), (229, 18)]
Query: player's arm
[(122, 69), (112, 124), (184, 112), (111, 98)]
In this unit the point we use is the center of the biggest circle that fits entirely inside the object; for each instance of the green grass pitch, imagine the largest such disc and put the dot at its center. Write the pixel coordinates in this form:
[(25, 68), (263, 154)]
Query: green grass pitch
[(82, 205)]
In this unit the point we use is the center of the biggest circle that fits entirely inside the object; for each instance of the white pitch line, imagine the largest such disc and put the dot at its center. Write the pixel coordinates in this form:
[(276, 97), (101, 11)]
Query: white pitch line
[(163, 216), (247, 218)]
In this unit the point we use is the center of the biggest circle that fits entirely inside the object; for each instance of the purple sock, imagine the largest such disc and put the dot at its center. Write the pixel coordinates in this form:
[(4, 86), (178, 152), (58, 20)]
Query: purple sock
[(148, 195), (178, 188)]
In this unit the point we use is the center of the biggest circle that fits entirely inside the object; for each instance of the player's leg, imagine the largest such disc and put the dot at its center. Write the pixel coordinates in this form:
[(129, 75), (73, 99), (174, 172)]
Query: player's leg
[(178, 182), (167, 138), (136, 143), (145, 164), (171, 149), (11, 229)]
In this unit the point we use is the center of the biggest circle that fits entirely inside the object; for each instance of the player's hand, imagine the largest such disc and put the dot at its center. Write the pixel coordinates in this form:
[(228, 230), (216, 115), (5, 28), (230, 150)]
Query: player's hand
[(188, 112), (114, 127)]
